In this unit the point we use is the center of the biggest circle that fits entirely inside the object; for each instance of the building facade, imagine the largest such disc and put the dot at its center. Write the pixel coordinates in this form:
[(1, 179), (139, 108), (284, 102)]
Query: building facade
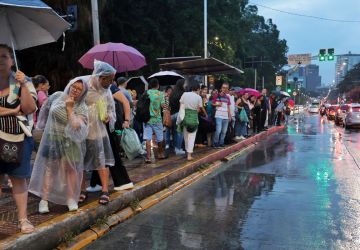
[(310, 76), (344, 63)]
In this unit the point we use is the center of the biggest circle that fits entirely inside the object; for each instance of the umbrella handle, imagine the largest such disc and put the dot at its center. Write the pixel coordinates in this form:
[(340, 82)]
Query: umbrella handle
[(13, 48), (12, 44)]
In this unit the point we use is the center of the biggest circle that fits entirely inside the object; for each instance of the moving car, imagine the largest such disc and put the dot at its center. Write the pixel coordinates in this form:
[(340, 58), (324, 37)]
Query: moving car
[(332, 112), (313, 109), (340, 114), (352, 118)]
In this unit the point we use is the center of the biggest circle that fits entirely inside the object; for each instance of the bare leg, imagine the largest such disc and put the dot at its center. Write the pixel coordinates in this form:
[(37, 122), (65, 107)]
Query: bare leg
[(72, 182), (20, 195), (104, 177), (148, 149)]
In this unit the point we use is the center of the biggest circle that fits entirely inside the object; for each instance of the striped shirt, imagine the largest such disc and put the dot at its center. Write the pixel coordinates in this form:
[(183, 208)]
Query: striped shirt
[(222, 111), (9, 124)]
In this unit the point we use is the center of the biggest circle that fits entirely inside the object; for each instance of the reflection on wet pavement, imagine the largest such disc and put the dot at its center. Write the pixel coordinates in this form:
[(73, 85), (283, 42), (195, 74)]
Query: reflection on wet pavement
[(297, 190)]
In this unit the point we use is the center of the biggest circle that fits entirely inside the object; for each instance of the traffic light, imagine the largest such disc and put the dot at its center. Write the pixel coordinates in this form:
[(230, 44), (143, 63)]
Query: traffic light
[(322, 55), (288, 88), (330, 56)]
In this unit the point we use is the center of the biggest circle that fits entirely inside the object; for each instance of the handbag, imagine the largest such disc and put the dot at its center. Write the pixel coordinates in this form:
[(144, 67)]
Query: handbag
[(11, 147), (243, 116), (167, 119)]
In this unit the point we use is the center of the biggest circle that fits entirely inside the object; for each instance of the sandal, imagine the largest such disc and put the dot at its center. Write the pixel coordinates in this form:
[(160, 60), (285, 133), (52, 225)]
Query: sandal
[(104, 198), (25, 226), (83, 197)]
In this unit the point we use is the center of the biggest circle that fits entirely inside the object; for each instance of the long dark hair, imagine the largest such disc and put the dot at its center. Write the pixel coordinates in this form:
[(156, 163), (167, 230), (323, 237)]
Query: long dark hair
[(174, 99)]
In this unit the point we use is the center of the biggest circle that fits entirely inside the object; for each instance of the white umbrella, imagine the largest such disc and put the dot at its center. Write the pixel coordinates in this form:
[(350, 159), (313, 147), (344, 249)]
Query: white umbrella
[(25, 24), (166, 73), (284, 93)]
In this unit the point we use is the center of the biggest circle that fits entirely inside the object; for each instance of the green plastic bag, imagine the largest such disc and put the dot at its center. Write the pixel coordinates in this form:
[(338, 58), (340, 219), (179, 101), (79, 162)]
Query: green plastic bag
[(131, 144), (243, 116)]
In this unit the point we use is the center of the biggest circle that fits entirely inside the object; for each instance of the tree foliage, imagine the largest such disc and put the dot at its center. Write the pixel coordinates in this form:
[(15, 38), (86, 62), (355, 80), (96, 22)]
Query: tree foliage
[(350, 85), (164, 28)]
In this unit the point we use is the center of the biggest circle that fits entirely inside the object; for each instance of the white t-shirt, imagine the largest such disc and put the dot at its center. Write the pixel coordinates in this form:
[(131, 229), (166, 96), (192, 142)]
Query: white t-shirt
[(191, 100), (232, 105)]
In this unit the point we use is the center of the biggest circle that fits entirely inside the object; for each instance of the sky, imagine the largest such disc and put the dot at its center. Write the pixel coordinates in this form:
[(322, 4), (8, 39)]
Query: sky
[(308, 35)]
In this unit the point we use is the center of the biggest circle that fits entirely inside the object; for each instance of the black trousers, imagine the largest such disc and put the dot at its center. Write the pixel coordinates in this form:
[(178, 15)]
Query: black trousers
[(262, 120), (118, 172)]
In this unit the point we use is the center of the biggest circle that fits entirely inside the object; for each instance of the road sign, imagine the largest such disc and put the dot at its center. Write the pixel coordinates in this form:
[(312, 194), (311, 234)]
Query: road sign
[(278, 80), (303, 59), (294, 93)]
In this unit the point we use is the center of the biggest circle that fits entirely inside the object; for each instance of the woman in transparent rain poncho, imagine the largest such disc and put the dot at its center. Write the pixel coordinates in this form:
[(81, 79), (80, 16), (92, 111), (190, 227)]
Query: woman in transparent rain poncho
[(58, 168), (99, 154)]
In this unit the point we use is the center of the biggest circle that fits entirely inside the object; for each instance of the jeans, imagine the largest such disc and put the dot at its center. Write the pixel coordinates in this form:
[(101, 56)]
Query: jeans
[(221, 129), (168, 136), (178, 137), (241, 128)]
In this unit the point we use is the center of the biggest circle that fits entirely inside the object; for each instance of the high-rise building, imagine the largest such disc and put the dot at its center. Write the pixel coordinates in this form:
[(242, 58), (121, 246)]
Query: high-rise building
[(344, 63), (310, 76)]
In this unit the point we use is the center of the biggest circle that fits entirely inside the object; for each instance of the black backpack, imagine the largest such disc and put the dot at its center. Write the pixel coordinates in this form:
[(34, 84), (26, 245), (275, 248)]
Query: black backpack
[(143, 108)]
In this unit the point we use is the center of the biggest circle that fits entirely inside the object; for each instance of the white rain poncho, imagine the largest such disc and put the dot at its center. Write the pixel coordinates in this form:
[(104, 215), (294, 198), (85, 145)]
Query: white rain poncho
[(59, 163), (101, 106)]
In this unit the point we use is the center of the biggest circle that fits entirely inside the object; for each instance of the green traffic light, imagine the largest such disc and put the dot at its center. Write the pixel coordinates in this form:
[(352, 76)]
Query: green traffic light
[(330, 57), (289, 90), (322, 58)]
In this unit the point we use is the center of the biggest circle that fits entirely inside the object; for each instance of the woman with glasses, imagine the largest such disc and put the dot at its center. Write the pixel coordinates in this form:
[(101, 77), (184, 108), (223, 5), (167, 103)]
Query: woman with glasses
[(59, 163)]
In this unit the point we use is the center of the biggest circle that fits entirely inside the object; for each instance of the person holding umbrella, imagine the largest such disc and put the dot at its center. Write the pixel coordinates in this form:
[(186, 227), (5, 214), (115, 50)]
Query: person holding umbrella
[(11, 104)]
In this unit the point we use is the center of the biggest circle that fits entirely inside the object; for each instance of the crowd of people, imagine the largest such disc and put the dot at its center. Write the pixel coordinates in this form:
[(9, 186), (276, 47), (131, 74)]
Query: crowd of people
[(80, 127)]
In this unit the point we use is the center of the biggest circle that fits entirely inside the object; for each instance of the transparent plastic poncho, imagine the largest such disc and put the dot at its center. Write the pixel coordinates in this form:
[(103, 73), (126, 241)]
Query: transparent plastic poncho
[(101, 107), (59, 163)]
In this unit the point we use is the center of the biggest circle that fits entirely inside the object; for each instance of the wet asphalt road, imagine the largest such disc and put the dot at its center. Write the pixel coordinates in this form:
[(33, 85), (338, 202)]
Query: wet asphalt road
[(297, 190)]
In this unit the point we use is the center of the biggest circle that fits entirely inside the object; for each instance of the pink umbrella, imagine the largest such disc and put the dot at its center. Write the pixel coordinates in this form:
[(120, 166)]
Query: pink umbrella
[(291, 102), (250, 91), (122, 57)]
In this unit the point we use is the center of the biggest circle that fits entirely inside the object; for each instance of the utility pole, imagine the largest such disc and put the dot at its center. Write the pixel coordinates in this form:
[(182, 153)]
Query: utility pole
[(205, 38), (95, 21), (254, 61), (263, 82), (255, 78)]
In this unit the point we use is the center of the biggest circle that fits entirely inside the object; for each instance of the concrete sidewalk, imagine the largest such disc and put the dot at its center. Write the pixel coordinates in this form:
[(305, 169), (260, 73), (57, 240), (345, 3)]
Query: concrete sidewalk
[(149, 179)]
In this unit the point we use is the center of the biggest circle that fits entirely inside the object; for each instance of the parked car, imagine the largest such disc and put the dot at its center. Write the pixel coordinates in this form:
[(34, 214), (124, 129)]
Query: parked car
[(352, 118), (340, 114), (331, 112), (313, 109)]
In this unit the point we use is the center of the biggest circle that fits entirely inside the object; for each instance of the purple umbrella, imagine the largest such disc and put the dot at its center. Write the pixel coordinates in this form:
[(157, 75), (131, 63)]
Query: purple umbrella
[(122, 57)]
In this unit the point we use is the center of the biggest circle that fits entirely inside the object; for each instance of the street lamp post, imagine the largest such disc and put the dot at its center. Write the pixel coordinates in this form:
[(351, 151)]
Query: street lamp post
[(205, 37), (95, 21)]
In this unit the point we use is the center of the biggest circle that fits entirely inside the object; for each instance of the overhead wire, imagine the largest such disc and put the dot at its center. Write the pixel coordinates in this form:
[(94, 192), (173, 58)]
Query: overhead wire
[(307, 16)]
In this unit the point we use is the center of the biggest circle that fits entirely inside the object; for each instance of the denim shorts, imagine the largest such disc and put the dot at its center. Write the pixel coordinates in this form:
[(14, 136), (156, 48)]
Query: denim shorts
[(150, 129), (22, 170)]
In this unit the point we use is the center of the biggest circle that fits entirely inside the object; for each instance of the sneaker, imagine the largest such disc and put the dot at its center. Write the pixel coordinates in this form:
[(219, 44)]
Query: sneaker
[(179, 151), (44, 207), (221, 146), (97, 188), (72, 205), (124, 187), (239, 138)]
